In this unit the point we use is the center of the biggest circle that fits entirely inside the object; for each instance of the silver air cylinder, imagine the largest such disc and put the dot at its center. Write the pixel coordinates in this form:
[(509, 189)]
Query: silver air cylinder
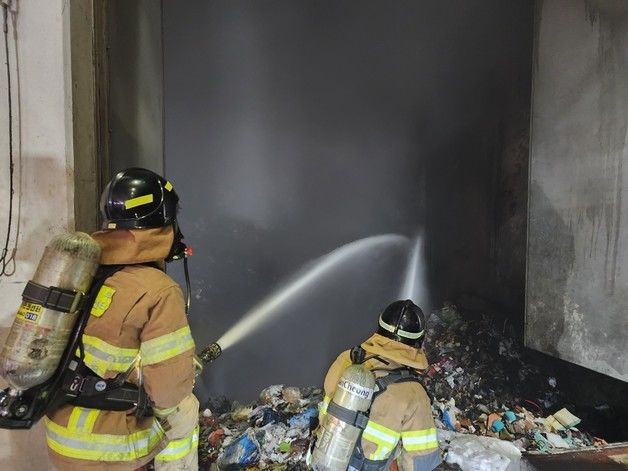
[(39, 335), (337, 439)]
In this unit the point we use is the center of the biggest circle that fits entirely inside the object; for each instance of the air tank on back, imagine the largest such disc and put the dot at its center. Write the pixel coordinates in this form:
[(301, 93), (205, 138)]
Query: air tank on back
[(39, 334), (337, 438)]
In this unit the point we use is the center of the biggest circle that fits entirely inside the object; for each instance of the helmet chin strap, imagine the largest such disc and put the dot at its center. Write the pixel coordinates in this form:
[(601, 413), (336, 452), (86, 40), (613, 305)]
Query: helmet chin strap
[(180, 251), (404, 308)]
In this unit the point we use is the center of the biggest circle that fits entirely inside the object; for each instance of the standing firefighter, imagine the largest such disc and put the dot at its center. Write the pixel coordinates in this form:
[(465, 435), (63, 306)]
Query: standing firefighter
[(375, 409), (137, 330)]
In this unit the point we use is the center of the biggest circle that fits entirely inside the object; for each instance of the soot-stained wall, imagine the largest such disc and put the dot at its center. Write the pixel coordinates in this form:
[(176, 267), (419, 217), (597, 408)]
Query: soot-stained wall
[(577, 282), (294, 128)]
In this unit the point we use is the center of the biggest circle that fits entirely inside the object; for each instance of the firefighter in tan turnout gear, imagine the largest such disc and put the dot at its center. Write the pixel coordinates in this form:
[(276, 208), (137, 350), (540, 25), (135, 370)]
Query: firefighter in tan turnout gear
[(138, 328), (399, 425)]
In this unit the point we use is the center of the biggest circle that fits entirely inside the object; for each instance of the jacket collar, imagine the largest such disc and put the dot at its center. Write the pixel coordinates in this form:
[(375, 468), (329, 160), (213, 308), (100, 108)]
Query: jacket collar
[(396, 351), (131, 246)]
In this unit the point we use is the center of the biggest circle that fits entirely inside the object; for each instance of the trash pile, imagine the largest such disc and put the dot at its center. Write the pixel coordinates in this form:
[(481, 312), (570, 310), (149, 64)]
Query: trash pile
[(481, 383), (274, 433), (489, 402)]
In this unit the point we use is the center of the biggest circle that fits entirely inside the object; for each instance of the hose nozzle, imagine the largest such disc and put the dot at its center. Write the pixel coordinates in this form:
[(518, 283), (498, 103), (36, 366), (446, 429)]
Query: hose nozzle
[(210, 353)]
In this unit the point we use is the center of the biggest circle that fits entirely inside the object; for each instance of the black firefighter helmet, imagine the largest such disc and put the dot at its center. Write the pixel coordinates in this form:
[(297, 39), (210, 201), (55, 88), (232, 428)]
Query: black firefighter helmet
[(404, 322), (137, 198)]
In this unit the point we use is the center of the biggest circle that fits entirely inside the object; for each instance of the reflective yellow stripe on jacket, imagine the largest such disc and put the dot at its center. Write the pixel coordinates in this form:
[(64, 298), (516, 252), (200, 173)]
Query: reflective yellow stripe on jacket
[(322, 407), (83, 419), (102, 447), (101, 356), (420, 440), (177, 449), (386, 439), (166, 346)]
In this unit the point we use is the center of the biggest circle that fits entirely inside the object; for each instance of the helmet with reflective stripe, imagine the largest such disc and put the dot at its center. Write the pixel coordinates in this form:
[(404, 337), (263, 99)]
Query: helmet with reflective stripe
[(137, 198), (404, 322)]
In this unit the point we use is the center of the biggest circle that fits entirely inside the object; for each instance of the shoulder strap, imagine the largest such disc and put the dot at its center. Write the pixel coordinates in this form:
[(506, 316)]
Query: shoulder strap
[(398, 375), (357, 354), (66, 367)]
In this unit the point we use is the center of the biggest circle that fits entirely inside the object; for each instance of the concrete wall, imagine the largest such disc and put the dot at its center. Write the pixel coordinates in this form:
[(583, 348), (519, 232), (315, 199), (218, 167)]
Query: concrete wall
[(135, 85), (44, 199), (292, 128), (578, 232)]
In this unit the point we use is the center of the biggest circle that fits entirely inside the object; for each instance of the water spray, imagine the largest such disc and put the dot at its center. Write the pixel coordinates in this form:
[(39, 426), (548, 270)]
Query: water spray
[(270, 306), (414, 284)]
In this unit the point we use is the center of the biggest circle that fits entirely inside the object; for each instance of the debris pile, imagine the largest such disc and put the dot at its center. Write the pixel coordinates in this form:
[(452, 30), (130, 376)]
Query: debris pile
[(274, 431), (490, 402), (481, 383)]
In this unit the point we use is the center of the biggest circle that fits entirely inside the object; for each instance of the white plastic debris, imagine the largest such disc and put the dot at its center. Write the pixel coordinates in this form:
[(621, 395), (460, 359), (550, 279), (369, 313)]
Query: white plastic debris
[(556, 440), (451, 380), (476, 453)]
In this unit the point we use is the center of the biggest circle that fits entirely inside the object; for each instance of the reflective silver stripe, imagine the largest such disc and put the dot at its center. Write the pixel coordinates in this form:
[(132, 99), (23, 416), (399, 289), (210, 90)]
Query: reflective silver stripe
[(101, 355), (102, 447), (82, 419), (80, 423), (166, 346), (179, 448), (400, 332)]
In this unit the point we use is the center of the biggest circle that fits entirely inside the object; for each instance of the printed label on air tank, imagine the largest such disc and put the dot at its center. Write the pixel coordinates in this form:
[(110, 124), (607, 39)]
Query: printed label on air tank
[(30, 312), (356, 389)]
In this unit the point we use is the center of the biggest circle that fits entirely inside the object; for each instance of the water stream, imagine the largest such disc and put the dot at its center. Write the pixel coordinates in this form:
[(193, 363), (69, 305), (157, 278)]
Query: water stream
[(271, 307), (414, 284)]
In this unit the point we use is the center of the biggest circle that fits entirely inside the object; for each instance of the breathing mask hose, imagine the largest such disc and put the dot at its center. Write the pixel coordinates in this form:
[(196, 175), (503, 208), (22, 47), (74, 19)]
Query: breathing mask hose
[(188, 287)]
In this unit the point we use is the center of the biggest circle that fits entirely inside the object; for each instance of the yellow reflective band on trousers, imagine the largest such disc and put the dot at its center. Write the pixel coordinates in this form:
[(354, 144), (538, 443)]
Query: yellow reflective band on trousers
[(101, 356), (83, 419), (177, 449), (166, 346), (420, 440), (386, 439), (322, 407), (102, 447)]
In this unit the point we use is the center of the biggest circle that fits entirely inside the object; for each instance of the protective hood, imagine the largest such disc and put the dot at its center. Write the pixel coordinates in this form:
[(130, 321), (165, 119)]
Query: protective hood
[(131, 246), (396, 351)]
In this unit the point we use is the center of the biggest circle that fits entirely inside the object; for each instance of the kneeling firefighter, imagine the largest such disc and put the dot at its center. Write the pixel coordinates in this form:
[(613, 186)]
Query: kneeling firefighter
[(122, 393), (375, 409)]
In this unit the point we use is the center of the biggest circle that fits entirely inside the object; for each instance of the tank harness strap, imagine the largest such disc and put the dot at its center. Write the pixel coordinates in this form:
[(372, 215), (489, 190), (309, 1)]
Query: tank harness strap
[(358, 356), (401, 375), (51, 297), (351, 417), (89, 389)]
